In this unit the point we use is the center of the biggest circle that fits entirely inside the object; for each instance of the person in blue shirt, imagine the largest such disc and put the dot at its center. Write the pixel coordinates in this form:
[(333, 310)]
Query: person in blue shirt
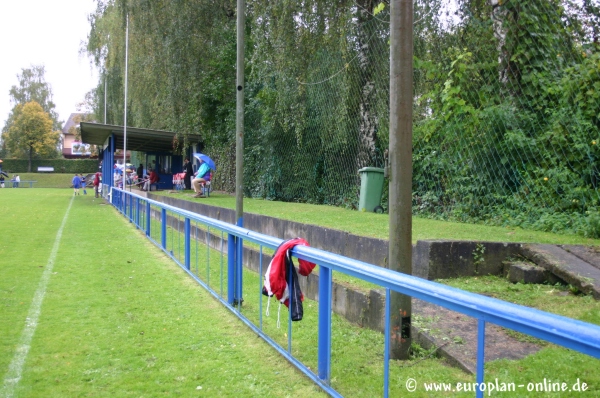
[(82, 178), (76, 184), (202, 176)]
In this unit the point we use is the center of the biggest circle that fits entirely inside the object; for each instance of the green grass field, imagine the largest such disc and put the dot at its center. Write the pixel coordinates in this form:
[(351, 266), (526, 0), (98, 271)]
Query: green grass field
[(119, 318), (359, 223)]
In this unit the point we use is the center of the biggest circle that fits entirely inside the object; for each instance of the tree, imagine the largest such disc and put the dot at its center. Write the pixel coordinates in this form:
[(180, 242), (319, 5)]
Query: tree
[(31, 132), (33, 87)]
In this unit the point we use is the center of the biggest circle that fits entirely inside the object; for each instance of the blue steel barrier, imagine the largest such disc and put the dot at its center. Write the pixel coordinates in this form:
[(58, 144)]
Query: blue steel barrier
[(576, 335)]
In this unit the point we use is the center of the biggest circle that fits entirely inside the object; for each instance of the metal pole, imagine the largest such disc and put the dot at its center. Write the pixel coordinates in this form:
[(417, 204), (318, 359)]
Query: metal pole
[(239, 149), (105, 84), (400, 172), (239, 129), (125, 117)]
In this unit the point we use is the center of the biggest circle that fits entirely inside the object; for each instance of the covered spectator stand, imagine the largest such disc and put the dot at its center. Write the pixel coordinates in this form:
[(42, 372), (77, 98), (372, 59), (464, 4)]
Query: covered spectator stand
[(156, 145)]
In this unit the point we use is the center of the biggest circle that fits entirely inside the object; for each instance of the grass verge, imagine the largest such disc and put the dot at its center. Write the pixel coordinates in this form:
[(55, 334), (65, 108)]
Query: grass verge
[(377, 225)]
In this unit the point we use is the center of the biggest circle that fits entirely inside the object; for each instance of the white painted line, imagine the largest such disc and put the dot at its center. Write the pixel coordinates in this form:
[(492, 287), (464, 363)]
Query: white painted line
[(15, 368)]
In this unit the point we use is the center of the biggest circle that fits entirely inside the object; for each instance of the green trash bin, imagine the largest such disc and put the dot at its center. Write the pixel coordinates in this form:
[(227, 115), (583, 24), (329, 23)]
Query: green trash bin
[(371, 188)]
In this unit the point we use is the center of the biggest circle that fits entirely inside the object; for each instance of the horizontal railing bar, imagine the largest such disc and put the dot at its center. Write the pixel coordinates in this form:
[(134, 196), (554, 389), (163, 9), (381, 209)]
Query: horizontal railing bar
[(563, 331), (567, 332)]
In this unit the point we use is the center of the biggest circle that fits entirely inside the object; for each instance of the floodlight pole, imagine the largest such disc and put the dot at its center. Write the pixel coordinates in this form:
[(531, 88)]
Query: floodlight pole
[(125, 107), (105, 84), (239, 149), (400, 168)]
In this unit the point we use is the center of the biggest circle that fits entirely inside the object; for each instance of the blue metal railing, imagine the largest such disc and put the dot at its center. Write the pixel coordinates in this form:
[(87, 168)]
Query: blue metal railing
[(566, 332)]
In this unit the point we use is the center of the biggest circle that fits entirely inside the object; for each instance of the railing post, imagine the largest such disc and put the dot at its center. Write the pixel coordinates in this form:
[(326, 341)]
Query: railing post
[(480, 356), (187, 243), (130, 208), (163, 228), (324, 344), (148, 218), (386, 349), (137, 212), (239, 280), (231, 250)]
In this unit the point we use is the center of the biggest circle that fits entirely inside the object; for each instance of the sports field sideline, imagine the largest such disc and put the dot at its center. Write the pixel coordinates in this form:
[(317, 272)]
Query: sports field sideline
[(90, 307)]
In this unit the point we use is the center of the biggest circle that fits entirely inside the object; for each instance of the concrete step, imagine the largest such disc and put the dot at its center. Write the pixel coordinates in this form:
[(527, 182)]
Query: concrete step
[(565, 265), (522, 272)]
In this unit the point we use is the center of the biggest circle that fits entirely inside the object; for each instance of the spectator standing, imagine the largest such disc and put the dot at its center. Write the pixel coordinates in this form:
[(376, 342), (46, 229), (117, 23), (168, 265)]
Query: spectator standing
[(140, 172), (189, 172), (83, 183), (76, 184), (97, 183), (1, 180)]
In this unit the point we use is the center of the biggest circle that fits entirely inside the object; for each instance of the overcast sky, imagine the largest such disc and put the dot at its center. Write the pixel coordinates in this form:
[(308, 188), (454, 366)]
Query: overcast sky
[(49, 33)]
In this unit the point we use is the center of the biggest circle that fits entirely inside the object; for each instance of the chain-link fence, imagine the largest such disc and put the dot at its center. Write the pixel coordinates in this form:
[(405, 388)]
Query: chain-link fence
[(506, 99), (506, 113)]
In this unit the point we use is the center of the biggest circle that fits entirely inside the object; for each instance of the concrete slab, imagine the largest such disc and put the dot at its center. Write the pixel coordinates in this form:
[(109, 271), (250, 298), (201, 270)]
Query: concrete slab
[(590, 255), (566, 266), (456, 335)]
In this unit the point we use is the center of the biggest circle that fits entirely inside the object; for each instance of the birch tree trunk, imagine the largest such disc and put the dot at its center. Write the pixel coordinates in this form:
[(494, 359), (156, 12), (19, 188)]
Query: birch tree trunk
[(499, 15)]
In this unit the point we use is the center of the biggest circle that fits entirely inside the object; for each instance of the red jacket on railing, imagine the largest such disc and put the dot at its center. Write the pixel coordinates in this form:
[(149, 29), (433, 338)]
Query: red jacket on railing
[(278, 274)]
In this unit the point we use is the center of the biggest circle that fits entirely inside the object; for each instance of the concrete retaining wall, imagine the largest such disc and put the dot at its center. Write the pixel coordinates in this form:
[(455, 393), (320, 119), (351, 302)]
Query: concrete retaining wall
[(435, 259)]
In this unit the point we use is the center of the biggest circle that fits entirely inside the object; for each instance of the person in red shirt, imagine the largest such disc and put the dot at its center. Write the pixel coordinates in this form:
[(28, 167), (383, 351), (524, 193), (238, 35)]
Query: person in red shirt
[(97, 183), (152, 179)]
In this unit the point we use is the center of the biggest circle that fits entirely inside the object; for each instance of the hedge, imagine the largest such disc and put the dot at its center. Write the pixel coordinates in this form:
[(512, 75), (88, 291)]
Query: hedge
[(60, 165)]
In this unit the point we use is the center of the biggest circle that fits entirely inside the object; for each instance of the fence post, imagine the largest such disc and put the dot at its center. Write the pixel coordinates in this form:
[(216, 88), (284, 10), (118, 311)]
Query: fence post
[(231, 249), (130, 207), (324, 344), (137, 212), (163, 228), (239, 279), (187, 243), (148, 218), (480, 355), (386, 349)]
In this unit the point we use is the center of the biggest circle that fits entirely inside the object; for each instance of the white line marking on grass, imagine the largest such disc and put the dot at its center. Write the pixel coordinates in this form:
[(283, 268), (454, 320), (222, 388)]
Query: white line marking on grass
[(16, 366)]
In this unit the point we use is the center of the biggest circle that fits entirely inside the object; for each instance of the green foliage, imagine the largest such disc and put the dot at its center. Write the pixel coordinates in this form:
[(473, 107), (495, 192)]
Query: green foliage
[(33, 87), (514, 142), (30, 132), (506, 124)]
